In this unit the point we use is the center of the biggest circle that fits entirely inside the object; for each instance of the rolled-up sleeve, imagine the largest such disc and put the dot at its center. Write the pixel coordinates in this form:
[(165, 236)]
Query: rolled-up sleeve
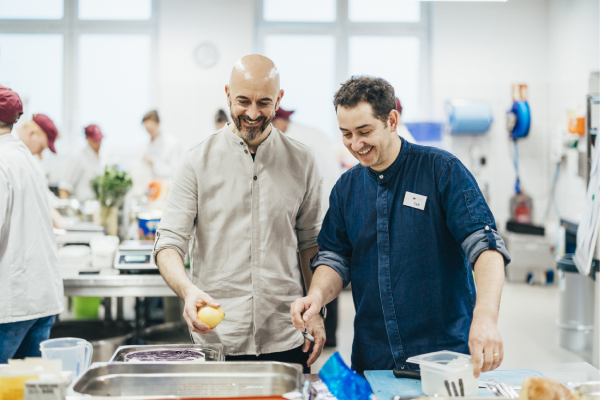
[(309, 217), (177, 222), (467, 214), (335, 249), (478, 242)]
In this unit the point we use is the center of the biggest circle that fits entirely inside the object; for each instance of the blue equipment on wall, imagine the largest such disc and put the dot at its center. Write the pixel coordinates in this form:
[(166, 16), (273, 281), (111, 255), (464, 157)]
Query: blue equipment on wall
[(522, 115), (469, 117)]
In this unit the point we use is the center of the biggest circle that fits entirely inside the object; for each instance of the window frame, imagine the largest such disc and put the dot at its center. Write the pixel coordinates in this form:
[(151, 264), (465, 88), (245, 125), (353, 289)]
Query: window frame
[(71, 27), (342, 28)]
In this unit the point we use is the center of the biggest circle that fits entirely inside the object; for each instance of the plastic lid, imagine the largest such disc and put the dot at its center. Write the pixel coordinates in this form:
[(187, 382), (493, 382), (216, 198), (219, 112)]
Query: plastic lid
[(448, 361)]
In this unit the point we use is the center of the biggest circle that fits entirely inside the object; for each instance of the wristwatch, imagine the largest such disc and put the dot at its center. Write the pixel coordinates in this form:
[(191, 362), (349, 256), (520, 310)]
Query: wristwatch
[(323, 312)]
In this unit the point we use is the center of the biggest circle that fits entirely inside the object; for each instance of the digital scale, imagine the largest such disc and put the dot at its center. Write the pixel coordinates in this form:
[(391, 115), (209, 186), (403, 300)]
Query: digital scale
[(135, 255)]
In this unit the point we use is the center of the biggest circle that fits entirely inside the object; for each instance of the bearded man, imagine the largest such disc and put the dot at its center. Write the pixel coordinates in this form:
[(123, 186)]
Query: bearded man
[(251, 197)]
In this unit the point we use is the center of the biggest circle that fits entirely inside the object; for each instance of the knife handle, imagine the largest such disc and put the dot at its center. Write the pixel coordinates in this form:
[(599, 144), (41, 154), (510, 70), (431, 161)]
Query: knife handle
[(407, 373)]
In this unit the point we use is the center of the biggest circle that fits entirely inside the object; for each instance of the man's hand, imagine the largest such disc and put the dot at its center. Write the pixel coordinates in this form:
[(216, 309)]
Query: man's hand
[(317, 330), (303, 309), (194, 300), (485, 338)]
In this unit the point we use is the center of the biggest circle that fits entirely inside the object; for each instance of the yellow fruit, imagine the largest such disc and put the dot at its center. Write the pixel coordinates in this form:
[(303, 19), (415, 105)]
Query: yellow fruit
[(211, 316)]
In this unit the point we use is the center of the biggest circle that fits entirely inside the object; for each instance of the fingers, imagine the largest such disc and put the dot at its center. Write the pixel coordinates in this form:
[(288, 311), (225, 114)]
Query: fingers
[(319, 336), (311, 312), (488, 358), (498, 359), (190, 315), (205, 299), (296, 310), (306, 346), (476, 351)]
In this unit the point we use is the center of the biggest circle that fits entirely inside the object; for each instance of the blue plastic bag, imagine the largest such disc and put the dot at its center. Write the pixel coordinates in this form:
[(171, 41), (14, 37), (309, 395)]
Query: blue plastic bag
[(344, 383)]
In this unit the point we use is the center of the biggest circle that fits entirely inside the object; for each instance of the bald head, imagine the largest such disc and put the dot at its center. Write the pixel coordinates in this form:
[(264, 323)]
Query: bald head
[(255, 68), (253, 95)]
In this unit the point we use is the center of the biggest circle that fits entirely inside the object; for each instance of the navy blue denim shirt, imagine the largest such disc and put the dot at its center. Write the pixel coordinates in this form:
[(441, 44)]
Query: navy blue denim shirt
[(410, 269)]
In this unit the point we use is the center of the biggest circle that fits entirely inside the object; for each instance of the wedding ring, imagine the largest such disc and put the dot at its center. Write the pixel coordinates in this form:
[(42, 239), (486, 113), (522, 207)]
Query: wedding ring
[(496, 354)]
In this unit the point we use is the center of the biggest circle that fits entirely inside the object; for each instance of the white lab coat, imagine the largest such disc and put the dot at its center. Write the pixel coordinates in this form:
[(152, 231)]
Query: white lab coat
[(327, 161), (29, 271), (165, 152), (84, 167)]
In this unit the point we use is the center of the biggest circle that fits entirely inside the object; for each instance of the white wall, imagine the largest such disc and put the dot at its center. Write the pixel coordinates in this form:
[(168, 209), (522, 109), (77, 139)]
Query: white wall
[(189, 96), (480, 49)]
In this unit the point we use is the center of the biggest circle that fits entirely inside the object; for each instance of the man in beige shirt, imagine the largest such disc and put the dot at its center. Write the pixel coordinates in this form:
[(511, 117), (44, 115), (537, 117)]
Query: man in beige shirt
[(250, 198)]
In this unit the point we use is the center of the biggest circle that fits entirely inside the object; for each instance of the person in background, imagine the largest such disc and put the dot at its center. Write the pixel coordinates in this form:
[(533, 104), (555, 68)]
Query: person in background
[(406, 226), (402, 129), (84, 167), (331, 170), (251, 199), (39, 134), (163, 152), (32, 289), (221, 119)]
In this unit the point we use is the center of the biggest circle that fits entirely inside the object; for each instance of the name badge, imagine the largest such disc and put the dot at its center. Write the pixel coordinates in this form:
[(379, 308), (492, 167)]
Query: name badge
[(414, 200)]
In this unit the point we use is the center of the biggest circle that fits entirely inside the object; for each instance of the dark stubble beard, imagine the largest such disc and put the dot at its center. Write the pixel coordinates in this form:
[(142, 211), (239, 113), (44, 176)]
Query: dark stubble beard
[(253, 132)]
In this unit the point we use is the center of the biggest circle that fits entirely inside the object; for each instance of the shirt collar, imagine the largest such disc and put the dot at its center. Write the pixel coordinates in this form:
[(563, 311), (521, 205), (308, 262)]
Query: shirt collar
[(384, 176)]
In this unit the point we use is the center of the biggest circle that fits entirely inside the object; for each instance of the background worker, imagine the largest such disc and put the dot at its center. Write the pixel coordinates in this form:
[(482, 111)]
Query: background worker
[(221, 119), (331, 170), (402, 130), (39, 134), (84, 167), (251, 198), (163, 152), (32, 290)]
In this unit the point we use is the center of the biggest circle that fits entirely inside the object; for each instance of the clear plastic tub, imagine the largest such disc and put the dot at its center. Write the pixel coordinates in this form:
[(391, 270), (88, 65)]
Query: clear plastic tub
[(449, 367)]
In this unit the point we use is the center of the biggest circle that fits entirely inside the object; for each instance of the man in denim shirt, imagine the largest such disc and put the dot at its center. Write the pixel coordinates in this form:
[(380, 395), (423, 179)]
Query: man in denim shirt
[(406, 226)]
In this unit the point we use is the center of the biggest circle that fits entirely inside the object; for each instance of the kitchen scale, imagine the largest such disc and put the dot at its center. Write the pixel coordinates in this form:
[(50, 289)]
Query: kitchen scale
[(135, 255)]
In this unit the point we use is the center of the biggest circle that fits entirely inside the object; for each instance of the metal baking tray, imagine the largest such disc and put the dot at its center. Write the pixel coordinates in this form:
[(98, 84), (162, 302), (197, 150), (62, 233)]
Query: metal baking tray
[(212, 352), (189, 380)]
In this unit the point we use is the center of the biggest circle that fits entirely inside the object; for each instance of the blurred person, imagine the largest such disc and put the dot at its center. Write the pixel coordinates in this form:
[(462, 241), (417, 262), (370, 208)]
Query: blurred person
[(221, 119), (409, 227), (402, 129), (84, 167), (163, 152), (251, 198), (32, 291), (331, 170), (39, 134)]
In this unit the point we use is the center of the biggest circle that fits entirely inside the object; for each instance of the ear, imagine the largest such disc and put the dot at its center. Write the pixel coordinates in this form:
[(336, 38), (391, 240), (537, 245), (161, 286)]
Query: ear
[(228, 93), (279, 99), (393, 120)]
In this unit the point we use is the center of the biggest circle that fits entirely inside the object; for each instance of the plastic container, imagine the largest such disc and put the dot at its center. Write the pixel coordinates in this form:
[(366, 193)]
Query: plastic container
[(103, 251), (440, 367), (86, 307), (148, 224), (75, 353)]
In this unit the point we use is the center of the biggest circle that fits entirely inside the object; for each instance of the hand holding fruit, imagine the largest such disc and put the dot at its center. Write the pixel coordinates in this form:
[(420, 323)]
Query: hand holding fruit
[(194, 300), (211, 316)]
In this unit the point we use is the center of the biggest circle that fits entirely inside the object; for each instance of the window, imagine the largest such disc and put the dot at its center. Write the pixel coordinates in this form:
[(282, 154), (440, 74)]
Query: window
[(316, 51), (31, 9), (115, 9), (302, 78), (91, 62)]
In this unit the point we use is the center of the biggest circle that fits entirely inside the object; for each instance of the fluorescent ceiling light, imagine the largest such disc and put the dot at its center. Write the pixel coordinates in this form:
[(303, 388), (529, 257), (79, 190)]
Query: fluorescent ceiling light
[(480, 1)]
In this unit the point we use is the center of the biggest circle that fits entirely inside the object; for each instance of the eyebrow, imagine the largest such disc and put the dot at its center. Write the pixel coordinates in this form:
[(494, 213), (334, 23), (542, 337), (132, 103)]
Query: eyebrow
[(246, 98), (358, 127)]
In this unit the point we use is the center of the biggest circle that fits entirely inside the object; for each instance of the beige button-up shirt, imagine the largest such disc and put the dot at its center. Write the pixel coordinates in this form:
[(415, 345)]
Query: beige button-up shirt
[(248, 220)]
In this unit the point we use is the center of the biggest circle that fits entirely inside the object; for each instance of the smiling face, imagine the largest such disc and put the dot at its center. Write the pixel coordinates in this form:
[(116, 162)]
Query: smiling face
[(372, 142), (253, 95)]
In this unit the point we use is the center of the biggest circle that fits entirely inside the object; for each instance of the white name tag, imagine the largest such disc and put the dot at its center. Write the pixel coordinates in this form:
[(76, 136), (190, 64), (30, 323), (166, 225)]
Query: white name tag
[(415, 200)]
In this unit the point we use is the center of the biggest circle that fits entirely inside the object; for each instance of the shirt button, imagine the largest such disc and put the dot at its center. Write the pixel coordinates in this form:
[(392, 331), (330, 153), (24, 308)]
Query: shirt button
[(380, 176), (255, 178), (246, 151), (487, 228)]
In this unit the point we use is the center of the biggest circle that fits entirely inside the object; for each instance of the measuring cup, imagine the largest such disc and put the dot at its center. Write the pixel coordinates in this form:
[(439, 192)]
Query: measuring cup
[(75, 353)]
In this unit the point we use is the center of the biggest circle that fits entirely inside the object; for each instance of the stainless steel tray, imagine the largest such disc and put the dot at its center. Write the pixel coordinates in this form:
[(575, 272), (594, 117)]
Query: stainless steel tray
[(188, 380), (213, 352)]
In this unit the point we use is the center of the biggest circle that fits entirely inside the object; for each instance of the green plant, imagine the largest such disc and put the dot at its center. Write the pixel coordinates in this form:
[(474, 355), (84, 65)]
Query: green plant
[(111, 187)]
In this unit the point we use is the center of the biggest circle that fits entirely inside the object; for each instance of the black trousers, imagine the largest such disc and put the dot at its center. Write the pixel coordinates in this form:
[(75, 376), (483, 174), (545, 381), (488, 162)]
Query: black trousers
[(295, 356)]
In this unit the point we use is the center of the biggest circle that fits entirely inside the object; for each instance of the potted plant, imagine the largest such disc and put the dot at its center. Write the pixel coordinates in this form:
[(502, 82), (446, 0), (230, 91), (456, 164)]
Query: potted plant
[(110, 190)]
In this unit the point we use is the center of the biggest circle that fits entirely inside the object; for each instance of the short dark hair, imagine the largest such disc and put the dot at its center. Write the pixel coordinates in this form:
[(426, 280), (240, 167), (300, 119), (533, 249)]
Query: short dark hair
[(6, 125), (221, 116), (151, 115), (375, 91)]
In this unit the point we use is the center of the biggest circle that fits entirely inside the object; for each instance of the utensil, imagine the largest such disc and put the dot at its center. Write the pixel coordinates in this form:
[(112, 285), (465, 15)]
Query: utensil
[(308, 336), (407, 373)]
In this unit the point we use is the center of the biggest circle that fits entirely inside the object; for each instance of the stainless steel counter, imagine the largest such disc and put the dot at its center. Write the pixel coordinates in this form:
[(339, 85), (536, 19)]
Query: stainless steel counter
[(117, 286)]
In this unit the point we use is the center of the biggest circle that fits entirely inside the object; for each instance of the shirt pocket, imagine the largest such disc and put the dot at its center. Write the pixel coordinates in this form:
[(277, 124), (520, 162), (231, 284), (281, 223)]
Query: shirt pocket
[(476, 206)]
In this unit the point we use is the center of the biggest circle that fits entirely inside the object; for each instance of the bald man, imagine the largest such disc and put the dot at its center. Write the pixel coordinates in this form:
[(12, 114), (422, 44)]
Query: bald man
[(251, 199)]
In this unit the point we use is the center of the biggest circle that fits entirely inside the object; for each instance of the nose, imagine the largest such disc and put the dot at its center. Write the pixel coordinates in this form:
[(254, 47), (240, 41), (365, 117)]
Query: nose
[(357, 143), (253, 112)]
